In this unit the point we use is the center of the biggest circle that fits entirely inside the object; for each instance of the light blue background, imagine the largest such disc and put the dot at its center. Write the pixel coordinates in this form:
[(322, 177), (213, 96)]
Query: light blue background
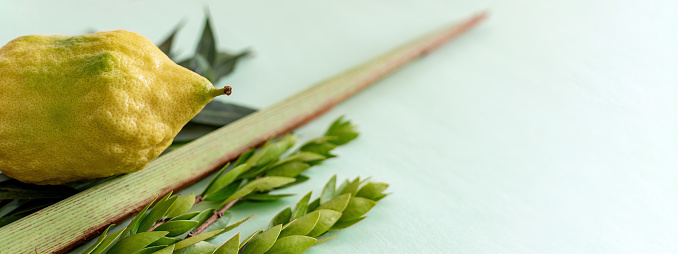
[(551, 128)]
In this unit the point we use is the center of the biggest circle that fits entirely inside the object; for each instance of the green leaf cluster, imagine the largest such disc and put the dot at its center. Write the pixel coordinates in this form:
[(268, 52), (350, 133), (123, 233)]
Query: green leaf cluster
[(171, 226)]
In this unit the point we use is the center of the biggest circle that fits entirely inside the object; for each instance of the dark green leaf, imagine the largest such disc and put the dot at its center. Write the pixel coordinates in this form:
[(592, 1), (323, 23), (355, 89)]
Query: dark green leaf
[(230, 246), (266, 197), (181, 205), (226, 63), (314, 205), (283, 217), (192, 131), (372, 190), (289, 169), (136, 242), (325, 222), (156, 213), (11, 206), (344, 224), (217, 113), (9, 219), (207, 46), (166, 45), (262, 242), (178, 227), (198, 248), (201, 65), (301, 226), (301, 207), (296, 244), (13, 189), (257, 171), (328, 190), (357, 207)]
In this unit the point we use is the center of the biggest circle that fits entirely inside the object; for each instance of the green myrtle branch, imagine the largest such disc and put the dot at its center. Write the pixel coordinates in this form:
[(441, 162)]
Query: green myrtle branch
[(253, 176), (294, 230)]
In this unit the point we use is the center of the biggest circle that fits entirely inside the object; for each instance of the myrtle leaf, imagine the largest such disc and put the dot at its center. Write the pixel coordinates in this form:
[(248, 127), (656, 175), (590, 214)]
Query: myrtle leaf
[(295, 244), (272, 151), (328, 190), (136, 242), (270, 182), (204, 215), (325, 239), (262, 242), (221, 222), (302, 156), (301, 207), (244, 242), (338, 204), (320, 146), (167, 250), (283, 217), (356, 208), (164, 241), (137, 220), (99, 241), (157, 213), (181, 205), (107, 242), (230, 246), (289, 169), (344, 224), (266, 197), (326, 220), (344, 131), (372, 190), (201, 247), (224, 192), (186, 216), (298, 179), (302, 225), (150, 250), (314, 204), (227, 178), (352, 187), (178, 227)]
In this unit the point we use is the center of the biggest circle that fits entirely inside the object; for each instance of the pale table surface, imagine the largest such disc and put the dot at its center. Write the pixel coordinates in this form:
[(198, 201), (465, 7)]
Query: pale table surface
[(551, 128)]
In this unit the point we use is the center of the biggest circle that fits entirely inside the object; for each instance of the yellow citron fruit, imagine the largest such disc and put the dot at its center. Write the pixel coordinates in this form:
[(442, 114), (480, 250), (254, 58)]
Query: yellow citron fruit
[(89, 106)]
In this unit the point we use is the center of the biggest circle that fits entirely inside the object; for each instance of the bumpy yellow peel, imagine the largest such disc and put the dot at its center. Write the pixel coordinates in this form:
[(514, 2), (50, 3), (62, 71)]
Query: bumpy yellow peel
[(96, 105)]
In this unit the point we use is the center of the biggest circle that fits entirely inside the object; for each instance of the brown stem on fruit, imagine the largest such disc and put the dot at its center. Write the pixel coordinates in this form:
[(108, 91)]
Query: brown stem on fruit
[(216, 215), (228, 90)]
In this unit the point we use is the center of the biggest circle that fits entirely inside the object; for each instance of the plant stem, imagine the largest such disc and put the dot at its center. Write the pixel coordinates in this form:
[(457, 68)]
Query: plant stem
[(216, 215), (158, 223)]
